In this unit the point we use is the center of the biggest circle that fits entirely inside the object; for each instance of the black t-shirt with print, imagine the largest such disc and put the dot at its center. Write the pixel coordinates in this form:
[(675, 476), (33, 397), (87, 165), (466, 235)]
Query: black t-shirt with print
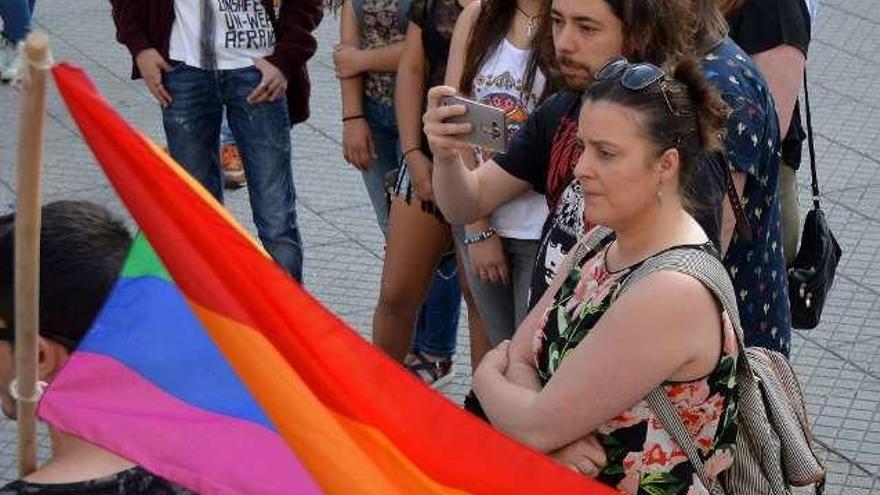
[(134, 481), (760, 25), (544, 153)]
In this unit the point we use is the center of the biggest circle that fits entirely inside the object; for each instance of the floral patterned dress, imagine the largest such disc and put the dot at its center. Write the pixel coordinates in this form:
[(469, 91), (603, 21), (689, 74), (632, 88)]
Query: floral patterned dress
[(642, 458)]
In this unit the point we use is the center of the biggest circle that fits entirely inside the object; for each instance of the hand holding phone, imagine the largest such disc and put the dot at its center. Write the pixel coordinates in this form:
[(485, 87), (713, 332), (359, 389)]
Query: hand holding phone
[(488, 124)]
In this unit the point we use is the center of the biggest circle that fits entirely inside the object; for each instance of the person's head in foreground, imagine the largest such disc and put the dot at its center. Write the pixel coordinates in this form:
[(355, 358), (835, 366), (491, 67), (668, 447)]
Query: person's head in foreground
[(573, 381), (82, 249)]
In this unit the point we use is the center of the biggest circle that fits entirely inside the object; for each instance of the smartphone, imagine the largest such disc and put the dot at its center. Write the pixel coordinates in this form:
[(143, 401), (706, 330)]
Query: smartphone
[(489, 124)]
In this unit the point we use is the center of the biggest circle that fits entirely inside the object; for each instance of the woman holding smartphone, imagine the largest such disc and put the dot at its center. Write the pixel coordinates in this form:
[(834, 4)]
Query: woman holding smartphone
[(490, 62)]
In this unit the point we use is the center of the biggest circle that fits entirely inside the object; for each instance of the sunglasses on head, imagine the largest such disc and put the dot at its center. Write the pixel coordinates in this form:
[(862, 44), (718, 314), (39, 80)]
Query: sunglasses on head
[(636, 77)]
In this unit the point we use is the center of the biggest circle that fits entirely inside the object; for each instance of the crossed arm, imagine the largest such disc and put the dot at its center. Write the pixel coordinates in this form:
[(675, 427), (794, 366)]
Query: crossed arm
[(665, 327)]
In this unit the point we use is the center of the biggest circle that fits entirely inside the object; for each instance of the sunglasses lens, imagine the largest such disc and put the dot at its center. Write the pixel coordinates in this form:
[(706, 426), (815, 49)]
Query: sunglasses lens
[(639, 77), (612, 69)]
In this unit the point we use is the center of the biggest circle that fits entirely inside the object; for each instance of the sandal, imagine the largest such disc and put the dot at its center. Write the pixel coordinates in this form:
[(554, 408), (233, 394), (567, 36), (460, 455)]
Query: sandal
[(433, 372)]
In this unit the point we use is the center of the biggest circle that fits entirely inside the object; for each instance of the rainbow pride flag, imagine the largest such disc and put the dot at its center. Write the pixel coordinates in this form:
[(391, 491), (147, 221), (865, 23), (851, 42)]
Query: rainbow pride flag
[(223, 375)]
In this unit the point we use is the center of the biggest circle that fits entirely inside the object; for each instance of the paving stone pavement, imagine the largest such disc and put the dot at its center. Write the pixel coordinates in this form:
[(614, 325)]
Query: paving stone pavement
[(838, 363)]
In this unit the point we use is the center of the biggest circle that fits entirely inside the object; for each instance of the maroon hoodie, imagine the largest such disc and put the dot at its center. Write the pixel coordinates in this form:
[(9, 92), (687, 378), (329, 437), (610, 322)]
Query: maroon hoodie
[(142, 24)]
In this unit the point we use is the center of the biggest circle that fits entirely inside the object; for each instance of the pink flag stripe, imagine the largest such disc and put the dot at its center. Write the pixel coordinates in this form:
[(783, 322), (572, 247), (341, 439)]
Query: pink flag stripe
[(140, 409)]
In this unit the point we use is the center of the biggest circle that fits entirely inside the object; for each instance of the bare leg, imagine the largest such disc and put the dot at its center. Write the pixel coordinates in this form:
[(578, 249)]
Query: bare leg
[(416, 242)]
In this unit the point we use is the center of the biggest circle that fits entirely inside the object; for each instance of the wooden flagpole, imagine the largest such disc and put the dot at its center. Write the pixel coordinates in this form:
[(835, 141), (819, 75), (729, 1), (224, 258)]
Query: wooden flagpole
[(36, 63)]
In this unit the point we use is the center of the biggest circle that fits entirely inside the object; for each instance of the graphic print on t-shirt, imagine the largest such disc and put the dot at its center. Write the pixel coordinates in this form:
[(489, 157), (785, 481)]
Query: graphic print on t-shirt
[(245, 24), (564, 154), (221, 34), (565, 226)]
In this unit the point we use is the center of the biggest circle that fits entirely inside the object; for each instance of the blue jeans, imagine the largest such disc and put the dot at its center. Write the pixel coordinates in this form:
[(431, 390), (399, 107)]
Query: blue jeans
[(16, 15), (262, 131), (437, 327), (383, 129)]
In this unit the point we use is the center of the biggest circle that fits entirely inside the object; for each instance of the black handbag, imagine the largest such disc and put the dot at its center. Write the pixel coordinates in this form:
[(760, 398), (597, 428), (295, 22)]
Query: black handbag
[(811, 275)]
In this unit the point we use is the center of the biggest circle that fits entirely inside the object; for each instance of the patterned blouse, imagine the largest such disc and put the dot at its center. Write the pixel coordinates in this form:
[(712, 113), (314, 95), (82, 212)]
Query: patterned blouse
[(380, 26), (134, 481), (757, 268), (642, 458)]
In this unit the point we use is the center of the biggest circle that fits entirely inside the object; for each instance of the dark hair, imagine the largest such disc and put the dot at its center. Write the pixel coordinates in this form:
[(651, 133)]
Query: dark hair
[(694, 125), (711, 26), (658, 31), (487, 33), (729, 6), (82, 248)]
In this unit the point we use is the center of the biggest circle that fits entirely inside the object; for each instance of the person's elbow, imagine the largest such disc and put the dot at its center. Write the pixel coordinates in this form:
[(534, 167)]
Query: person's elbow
[(535, 434)]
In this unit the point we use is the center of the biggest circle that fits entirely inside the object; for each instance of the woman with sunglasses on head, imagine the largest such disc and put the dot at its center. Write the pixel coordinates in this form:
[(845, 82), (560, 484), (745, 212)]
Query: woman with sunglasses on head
[(490, 62), (573, 380)]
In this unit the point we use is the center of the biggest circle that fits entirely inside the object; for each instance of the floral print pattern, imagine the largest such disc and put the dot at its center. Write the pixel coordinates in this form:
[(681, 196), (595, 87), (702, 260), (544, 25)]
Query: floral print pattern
[(757, 268), (643, 459), (134, 480), (380, 26)]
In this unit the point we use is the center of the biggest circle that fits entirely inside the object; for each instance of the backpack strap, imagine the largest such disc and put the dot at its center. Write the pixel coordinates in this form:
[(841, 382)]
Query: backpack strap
[(708, 270)]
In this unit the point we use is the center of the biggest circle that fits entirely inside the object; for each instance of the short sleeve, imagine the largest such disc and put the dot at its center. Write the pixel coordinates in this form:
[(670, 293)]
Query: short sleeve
[(418, 12), (528, 152), (760, 25), (746, 132)]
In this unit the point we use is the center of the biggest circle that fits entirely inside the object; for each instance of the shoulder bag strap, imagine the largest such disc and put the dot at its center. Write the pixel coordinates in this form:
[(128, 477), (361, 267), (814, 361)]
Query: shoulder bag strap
[(708, 270), (742, 221), (811, 146)]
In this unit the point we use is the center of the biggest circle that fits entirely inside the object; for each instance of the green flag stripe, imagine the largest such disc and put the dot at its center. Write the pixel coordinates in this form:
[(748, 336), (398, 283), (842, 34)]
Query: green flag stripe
[(142, 261)]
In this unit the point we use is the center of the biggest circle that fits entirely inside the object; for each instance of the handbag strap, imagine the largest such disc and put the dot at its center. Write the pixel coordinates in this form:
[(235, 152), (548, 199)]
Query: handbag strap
[(742, 221), (708, 270), (811, 146)]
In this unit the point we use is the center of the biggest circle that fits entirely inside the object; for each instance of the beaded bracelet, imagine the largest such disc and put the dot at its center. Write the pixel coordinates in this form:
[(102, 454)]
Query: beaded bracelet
[(479, 237)]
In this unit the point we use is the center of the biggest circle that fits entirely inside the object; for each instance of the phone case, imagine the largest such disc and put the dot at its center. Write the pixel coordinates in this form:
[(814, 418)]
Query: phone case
[(489, 123)]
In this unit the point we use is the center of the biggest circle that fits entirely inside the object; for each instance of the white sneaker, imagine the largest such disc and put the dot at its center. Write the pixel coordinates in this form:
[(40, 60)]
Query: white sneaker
[(12, 72), (7, 52)]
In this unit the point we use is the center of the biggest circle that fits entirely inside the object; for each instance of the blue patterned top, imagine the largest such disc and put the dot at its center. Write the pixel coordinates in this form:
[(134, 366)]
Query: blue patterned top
[(752, 141)]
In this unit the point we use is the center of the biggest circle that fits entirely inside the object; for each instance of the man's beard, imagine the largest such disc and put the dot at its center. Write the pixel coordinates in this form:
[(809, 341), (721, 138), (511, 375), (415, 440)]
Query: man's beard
[(578, 82)]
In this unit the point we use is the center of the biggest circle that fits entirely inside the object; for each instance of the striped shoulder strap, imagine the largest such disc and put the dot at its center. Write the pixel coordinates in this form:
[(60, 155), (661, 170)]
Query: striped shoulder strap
[(708, 270)]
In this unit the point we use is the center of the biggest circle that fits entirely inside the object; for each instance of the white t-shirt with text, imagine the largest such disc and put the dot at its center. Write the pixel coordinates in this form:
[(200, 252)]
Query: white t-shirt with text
[(221, 34)]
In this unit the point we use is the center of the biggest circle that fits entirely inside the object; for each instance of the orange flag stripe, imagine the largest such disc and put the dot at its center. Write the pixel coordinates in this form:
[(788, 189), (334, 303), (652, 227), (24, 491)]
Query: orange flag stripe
[(344, 456)]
